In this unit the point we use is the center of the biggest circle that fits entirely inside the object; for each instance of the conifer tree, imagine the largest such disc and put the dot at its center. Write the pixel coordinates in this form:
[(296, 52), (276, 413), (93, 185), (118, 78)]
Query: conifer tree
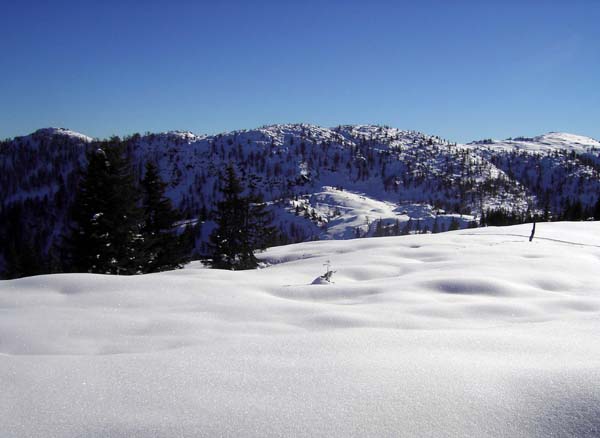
[(243, 226), (454, 225), (22, 255), (396, 228), (105, 236), (229, 245), (379, 228), (406, 229), (163, 248), (259, 231)]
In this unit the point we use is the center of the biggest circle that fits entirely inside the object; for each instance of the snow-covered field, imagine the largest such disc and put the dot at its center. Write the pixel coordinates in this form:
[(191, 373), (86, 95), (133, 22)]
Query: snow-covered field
[(469, 333)]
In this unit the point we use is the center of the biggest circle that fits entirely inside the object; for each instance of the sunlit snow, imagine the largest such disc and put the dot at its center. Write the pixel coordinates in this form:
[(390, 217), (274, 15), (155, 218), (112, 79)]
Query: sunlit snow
[(470, 333)]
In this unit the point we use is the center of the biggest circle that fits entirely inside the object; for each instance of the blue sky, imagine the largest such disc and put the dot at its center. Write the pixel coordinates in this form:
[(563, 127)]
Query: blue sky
[(459, 69)]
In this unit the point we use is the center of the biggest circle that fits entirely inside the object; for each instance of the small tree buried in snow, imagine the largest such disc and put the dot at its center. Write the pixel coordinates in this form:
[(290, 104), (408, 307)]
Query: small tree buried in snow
[(326, 277)]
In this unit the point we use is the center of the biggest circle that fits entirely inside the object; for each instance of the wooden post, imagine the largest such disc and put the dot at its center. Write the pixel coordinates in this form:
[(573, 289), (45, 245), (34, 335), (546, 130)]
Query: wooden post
[(532, 232)]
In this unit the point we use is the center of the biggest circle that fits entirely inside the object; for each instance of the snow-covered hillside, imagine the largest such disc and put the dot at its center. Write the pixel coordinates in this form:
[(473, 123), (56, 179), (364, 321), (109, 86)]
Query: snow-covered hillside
[(552, 141), (557, 169), (342, 214), (321, 183), (469, 333)]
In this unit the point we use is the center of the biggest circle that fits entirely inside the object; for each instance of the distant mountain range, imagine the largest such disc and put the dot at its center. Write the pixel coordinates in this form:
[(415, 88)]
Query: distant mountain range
[(322, 183)]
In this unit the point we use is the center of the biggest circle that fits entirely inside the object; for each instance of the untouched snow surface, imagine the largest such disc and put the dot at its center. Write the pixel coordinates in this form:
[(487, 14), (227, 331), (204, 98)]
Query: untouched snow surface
[(549, 142), (468, 333)]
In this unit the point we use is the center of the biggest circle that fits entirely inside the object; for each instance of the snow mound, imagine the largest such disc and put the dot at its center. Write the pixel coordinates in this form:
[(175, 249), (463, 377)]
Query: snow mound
[(468, 333)]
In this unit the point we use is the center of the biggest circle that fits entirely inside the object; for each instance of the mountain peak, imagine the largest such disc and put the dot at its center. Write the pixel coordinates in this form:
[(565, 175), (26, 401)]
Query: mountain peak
[(52, 131)]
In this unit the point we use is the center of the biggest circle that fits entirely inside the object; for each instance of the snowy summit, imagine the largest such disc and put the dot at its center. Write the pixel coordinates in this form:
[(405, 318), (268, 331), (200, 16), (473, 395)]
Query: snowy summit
[(552, 141)]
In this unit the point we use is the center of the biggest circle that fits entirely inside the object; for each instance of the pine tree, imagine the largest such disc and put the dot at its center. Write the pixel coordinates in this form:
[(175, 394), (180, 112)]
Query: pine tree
[(454, 225), (163, 248), (105, 234), (229, 245), (406, 229), (379, 229), (259, 231), (243, 226), (396, 228), (21, 250)]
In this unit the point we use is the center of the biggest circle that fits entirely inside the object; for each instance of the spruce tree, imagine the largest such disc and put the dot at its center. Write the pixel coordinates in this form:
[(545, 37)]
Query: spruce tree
[(163, 248), (259, 231), (228, 242), (379, 229), (454, 225), (243, 226), (396, 228), (408, 225), (23, 255), (105, 234)]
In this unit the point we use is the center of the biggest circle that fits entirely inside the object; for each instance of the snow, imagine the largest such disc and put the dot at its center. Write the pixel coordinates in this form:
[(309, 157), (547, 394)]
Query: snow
[(50, 132), (175, 136), (549, 142), (345, 211), (470, 333)]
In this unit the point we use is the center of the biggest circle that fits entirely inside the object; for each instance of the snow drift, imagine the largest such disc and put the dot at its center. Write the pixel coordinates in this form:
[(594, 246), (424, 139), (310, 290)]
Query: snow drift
[(468, 333)]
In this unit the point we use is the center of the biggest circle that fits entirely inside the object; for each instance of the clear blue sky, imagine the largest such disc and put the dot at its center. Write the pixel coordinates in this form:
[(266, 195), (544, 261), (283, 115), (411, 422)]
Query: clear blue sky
[(459, 69)]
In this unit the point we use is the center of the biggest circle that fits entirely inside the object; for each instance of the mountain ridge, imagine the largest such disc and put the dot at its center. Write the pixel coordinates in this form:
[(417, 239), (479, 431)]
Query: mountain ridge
[(551, 138), (321, 183)]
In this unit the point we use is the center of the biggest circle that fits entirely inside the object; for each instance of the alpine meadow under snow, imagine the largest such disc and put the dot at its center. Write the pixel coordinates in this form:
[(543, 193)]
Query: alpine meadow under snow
[(476, 332)]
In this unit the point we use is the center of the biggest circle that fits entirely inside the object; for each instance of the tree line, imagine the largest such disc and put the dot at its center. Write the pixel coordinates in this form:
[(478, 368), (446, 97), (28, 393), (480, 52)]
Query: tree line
[(120, 225)]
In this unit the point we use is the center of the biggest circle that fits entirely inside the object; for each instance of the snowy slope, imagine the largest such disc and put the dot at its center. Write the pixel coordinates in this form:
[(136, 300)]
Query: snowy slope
[(343, 214), (552, 141), (557, 169), (469, 333)]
